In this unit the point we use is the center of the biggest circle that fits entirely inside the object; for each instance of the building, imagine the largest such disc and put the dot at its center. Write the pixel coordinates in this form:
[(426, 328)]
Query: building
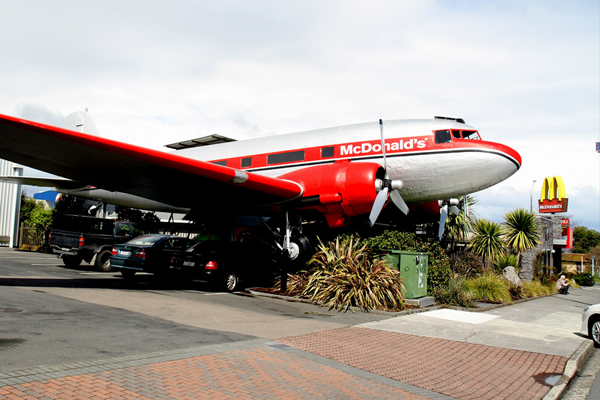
[(10, 201), (574, 263)]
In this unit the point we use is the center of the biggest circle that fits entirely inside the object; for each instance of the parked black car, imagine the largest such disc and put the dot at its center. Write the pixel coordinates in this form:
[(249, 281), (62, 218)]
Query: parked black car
[(226, 263), (147, 253)]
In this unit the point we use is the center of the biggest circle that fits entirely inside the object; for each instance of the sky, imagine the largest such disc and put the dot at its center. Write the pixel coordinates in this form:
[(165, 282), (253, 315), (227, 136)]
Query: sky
[(523, 73)]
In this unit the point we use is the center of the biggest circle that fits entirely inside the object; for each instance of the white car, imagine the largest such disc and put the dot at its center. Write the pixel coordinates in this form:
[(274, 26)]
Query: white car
[(590, 323)]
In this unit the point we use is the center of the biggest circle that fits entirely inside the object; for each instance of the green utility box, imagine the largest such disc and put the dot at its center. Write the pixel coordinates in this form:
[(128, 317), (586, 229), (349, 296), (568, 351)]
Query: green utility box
[(413, 269)]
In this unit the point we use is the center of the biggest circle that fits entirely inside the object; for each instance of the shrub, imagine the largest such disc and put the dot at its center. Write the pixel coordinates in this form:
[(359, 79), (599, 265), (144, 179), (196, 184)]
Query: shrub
[(466, 264), (489, 287), (536, 288), (583, 279), (506, 260), (455, 293), (515, 290), (295, 283), (438, 272), (347, 273)]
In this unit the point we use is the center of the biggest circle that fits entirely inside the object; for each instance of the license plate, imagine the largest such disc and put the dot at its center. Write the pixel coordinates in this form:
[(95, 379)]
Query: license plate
[(189, 263), (124, 253)]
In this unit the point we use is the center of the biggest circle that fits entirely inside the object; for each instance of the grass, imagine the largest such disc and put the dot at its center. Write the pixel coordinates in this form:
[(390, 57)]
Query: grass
[(489, 287)]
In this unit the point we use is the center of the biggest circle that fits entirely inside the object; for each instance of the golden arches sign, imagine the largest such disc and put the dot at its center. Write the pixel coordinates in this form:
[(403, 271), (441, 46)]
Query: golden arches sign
[(553, 198)]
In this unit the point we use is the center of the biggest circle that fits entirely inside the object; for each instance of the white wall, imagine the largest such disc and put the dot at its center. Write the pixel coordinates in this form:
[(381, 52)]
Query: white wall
[(9, 203)]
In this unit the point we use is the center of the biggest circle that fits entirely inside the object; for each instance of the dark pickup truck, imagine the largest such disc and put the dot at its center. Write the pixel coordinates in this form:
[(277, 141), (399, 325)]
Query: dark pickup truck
[(77, 238)]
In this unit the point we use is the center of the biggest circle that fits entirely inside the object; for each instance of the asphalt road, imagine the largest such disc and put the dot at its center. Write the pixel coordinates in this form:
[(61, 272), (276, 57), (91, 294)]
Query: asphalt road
[(50, 314)]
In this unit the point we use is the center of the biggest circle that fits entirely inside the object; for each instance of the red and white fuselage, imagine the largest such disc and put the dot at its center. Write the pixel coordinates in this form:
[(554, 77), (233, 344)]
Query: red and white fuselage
[(456, 164)]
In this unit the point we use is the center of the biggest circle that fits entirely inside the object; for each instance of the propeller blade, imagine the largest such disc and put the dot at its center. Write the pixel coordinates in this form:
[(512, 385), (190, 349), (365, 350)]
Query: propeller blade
[(378, 204), (383, 148), (443, 216), (455, 210), (399, 201)]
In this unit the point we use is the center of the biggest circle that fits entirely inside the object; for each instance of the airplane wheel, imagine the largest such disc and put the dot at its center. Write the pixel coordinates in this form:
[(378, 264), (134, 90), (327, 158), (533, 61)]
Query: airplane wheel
[(300, 252)]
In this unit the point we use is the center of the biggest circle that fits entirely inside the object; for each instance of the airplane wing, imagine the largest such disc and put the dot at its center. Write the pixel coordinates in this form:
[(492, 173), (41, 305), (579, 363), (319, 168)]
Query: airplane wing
[(115, 166), (61, 183)]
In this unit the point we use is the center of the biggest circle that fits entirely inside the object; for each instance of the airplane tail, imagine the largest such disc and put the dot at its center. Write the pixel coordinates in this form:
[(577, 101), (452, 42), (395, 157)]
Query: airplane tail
[(81, 121)]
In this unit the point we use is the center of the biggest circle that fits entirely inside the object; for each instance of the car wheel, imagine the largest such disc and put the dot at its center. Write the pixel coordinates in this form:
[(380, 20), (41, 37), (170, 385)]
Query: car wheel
[(71, 261), (594, 330), (231, 281), (103, 261)]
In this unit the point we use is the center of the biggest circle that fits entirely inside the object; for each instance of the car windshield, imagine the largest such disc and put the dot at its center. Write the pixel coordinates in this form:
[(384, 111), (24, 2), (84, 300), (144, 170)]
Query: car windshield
[(145, 240)]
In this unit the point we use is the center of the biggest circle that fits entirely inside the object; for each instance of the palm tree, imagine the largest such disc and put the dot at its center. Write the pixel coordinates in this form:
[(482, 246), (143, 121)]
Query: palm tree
[(488, 241), (459, 226), (521, 230)]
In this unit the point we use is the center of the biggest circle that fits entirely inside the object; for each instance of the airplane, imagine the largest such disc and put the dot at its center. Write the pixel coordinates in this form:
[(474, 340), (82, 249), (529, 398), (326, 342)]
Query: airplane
[(337, 176)]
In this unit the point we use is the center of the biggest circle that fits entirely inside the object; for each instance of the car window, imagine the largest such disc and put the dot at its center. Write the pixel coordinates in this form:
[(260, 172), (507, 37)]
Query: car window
[(145, 240), (181, 244)]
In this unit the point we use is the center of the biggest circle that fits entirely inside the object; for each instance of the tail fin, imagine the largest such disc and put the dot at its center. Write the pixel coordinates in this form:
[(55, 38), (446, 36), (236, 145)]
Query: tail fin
[(81, 121)]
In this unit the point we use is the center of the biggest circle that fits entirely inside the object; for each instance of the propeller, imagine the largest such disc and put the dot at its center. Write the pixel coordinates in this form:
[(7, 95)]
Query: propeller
[(386, 188), (445, 205)]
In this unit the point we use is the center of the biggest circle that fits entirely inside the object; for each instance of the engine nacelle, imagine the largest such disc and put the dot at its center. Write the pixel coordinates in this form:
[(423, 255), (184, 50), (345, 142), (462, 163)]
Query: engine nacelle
[(340, 190)]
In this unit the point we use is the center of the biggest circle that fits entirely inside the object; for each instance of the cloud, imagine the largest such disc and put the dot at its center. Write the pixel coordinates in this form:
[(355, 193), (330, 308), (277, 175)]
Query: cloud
[(39, 113), (151, 72)]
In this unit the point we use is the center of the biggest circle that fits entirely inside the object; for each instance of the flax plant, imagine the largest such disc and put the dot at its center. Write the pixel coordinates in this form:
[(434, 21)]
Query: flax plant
[(346, 274)]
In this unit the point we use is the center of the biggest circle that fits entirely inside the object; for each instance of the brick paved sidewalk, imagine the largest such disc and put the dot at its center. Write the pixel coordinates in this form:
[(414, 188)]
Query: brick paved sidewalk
[(461, 370), (345, 363), (253, 370)]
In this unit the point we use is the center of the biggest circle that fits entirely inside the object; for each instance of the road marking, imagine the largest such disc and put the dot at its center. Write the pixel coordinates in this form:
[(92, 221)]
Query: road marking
[(460, 316), (46, 264)]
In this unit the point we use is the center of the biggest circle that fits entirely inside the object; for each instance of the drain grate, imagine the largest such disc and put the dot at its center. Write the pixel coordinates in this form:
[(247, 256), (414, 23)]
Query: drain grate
[(9, 310)]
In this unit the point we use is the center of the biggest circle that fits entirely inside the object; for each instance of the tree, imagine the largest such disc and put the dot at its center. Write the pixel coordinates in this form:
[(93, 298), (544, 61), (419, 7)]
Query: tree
[(521, 231), (458, 226), (35, 215), (66, 204), (488, 241), (585, 239)]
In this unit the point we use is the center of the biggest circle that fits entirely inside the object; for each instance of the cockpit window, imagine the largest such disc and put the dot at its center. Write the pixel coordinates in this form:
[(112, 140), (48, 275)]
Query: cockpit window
[(456, 134), (443, 136), (473, 135)]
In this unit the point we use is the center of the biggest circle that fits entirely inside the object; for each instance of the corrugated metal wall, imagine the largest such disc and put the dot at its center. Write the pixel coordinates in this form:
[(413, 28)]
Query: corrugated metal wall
[(9, 201)]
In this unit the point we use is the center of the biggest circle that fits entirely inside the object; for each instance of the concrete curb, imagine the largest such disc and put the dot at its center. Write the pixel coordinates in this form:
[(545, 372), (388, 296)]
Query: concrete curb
[(482, 307), (575, 363), (353, 309)]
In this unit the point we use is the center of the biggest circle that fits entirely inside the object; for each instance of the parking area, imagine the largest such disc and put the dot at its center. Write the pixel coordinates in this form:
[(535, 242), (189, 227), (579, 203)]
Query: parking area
[(61, 315), (77, 333)]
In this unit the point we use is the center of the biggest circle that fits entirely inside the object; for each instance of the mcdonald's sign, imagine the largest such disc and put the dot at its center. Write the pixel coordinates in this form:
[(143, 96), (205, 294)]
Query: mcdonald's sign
[(553, 198)]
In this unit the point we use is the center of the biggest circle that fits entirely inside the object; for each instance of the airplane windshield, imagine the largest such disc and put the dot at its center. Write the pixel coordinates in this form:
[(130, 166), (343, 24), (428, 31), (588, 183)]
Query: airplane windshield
[(444, 136), (473, 135)]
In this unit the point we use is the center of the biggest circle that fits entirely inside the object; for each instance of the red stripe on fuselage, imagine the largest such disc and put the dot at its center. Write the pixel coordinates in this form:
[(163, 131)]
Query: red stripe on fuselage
[(370, 149)]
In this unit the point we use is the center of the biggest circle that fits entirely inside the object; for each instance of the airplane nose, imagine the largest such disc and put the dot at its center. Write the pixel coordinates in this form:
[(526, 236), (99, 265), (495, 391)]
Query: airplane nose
[(502, 167), (509, 153)]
